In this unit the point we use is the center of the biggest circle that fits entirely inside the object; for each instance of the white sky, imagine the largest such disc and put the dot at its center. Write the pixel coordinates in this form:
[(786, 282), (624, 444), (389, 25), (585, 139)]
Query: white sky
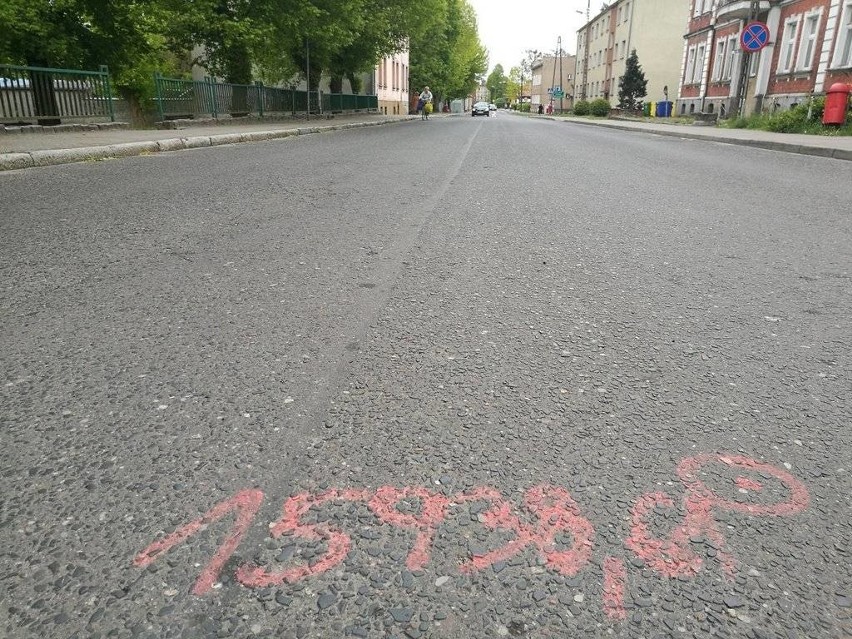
[(508, 27)]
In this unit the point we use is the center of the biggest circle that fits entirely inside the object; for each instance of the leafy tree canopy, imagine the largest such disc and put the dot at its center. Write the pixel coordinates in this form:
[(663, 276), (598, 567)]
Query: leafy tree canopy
[(243, 40), (449, 56), (497, 83)]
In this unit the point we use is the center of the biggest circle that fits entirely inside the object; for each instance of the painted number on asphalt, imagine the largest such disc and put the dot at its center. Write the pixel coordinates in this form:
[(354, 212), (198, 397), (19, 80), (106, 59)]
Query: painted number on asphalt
[(550, 513)]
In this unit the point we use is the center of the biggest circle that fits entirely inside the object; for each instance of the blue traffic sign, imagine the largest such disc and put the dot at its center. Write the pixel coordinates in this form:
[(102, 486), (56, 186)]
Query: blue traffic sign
[(754, 37)]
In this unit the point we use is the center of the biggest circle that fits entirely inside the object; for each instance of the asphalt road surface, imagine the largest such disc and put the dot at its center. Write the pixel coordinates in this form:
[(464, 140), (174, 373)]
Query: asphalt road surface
[(464, 378)]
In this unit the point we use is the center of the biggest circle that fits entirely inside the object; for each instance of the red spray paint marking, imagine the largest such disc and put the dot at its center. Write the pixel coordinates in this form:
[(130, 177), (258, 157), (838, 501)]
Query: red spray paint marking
[(553, 510), (745, 483), (293, 511), (557, 513), (615, 577), (433, 510), (246, 503), (688, 469), (673, 557)]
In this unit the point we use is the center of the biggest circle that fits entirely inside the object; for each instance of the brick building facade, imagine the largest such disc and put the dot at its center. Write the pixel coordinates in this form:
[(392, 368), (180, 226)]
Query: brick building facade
[(810, 48)]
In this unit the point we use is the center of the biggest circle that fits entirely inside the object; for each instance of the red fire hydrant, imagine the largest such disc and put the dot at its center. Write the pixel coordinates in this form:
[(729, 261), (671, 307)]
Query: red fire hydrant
[(836, 103)]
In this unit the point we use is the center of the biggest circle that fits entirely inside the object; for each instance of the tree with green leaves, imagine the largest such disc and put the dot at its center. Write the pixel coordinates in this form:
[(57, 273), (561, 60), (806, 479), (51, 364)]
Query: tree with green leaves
[(241, 40), (632, 86), (513, 84), (497, 83), (530, 57), (127, 36), (449, 56)]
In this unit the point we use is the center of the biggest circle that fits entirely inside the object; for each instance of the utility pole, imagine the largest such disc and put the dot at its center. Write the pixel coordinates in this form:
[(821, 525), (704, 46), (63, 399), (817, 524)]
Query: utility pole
[(586, 52), (521, 90), (308, 70), (562, 84), (745, 63)]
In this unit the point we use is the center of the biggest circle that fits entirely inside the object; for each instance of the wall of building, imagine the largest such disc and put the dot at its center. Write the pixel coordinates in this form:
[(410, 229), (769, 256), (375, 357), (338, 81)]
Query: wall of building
[(390, 79), (546, 75), (654, 28), (656, 32), (786, 72)]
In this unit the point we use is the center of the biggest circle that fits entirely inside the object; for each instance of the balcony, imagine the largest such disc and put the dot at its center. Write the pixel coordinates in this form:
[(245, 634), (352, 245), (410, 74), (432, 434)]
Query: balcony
[(741, 9)]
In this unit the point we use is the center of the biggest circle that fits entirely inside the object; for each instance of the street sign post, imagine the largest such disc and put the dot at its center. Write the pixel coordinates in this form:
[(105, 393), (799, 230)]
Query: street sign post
[(754, 37)]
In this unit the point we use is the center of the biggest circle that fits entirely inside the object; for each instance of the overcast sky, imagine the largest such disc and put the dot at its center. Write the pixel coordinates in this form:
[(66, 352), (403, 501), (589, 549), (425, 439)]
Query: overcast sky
[(508, 27)]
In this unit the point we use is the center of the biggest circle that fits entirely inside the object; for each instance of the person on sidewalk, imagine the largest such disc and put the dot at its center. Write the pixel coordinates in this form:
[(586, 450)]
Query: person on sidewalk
[(426, 96)]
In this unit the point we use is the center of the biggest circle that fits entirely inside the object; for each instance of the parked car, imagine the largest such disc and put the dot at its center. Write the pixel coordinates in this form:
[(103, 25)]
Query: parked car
[(480, 108), (492, 106)]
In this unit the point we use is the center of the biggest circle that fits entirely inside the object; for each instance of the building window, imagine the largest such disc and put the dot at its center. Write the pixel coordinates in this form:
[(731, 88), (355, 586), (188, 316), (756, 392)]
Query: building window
[(719, 62), (843, 50), (753, 62), (788, 45), (690, 65), (727, 72), (699, 64), (808, 43)]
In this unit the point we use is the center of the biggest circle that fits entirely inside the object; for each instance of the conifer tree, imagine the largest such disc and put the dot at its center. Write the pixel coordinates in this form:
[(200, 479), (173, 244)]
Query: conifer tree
[(633, 86)]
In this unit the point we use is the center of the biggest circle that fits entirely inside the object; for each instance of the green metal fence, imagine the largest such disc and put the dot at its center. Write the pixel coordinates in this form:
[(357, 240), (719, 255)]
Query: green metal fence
[(53, 95), (345, 102), (206, 98)]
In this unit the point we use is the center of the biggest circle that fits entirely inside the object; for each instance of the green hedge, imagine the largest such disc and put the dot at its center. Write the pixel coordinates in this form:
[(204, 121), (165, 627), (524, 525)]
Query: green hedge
[(599, 108)]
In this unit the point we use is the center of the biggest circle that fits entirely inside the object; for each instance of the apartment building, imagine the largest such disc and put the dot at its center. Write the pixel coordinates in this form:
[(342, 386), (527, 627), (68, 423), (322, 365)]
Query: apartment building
[(390, 81), (549, 72), (809, 48), (654, 28)]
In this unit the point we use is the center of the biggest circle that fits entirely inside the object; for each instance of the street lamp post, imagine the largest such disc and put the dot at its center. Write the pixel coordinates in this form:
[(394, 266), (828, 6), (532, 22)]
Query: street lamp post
[(586, 52), (562, 83)]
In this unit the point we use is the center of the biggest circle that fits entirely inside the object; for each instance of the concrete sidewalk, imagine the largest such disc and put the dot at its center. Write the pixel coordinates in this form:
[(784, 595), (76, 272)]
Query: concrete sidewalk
[(23, 150), (837, 147), (20, 150)]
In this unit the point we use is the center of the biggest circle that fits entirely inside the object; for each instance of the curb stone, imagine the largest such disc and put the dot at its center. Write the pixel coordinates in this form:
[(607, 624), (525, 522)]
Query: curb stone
[(225, 138), (67, 156), (128, 149), (197, 141), (12, 161), (172, 144), (772, 145)]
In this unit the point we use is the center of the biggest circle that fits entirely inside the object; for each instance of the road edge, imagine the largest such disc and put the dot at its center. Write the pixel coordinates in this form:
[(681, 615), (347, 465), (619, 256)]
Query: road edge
[(53, 157), (772, 145)]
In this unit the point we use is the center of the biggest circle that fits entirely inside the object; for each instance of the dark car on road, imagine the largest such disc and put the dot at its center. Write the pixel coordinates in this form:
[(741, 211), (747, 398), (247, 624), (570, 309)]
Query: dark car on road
[(480, 108)]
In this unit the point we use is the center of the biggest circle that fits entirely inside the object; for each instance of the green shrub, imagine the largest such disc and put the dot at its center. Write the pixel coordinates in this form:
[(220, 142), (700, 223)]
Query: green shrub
[(599, 108), (581, 107), (791, 121), (794, 120), (525, 107)]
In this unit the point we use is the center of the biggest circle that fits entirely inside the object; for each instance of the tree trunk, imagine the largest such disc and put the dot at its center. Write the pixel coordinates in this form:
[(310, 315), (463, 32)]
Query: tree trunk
[(356, 83), (44, 98), (239, 74)]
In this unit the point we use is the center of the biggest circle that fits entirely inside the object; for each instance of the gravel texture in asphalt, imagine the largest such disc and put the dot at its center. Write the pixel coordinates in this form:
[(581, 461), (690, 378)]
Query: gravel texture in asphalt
[(464, 378)]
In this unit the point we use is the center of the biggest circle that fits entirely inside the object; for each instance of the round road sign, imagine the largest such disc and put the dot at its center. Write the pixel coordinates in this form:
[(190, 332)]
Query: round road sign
[(754, 37)]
